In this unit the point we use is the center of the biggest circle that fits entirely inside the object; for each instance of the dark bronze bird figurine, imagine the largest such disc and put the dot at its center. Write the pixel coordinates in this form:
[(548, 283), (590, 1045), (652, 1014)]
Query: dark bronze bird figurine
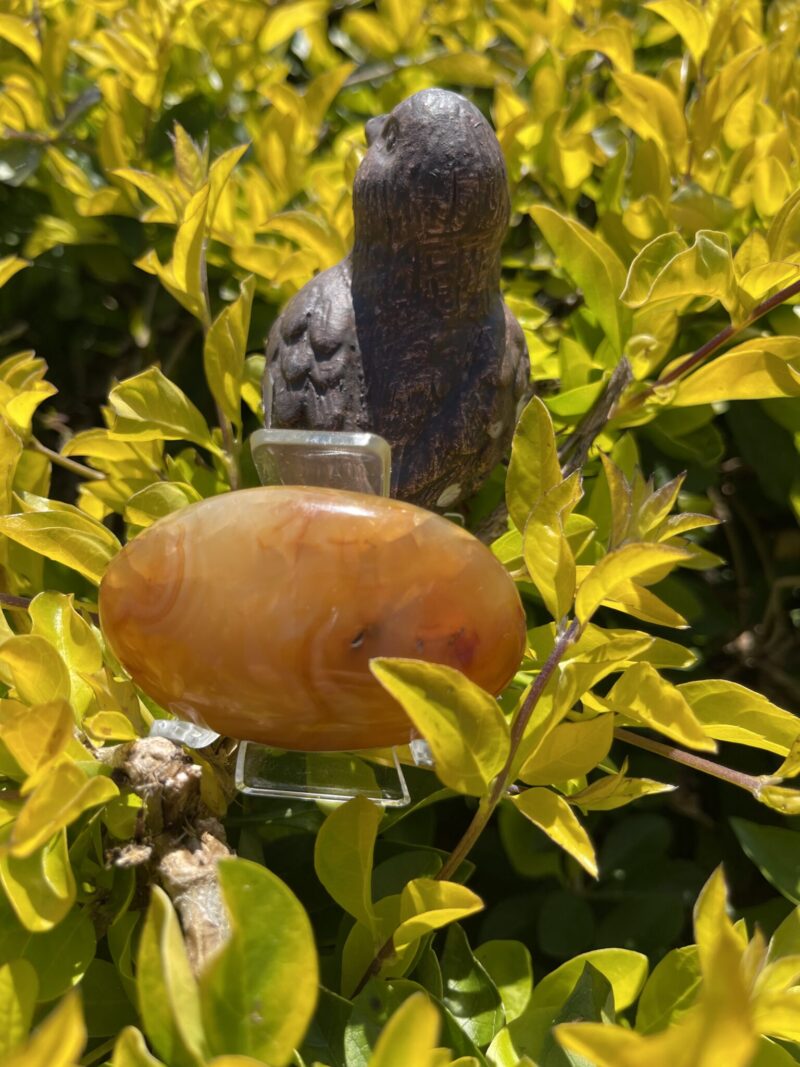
[(408, 336)]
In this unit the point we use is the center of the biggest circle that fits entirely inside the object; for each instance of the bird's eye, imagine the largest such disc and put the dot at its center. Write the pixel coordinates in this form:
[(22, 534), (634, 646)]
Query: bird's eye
[(390, 131)]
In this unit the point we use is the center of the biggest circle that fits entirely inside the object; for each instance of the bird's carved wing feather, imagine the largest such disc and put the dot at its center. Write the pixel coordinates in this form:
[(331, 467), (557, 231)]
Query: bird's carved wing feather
[(313, 358)]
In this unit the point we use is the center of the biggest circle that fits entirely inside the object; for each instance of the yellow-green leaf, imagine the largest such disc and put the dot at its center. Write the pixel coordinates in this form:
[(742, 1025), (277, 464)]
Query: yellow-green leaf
[(548, 555), (689, 20), (130, 1050), (59, 798), (534, 468), (642, 561), (10, 265), (570, 750), (643, 695), (54, 617), (731, 712), (615, 790), (40, 887), (151, 407), (157, 500), (427, 904), (58, 1041), (34, 669), (463, 724), (760, 369), (66, 535), (169, 1004), (224, 352), (553, 815), (343, 854), (653, 112), (593, 266), (410, 1035), (18, 991), (36, 736), (259, 992)]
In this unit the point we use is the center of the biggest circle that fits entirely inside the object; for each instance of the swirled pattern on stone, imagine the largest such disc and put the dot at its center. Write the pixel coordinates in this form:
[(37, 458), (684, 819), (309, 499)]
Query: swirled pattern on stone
[(256, 613)]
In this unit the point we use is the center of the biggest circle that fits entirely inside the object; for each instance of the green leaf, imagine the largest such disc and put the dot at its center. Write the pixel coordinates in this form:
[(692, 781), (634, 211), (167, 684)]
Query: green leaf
[(61, 956), (570, 750), (534, 468), (552, 814), (731, 712), (703, 270), (106, 1004), (410, 1035), (259, 992), (284, 21), (150, 407), (670, 991), (760, 369), (66, 535), (654, 113), (54, 617), (18, 994), (548, 555), (40, 887), (464, 725), (169, 1004), (224, 352), (469, 993), (643, 695), (427, 904), (625, 970), (34, 669), (615, 790), (687, 20), (58, 1041), (775, 851), (9, 266), (508, 964), (155, 501), (593, 266), (58, 799), (343, 855), (642, 561), (130, 1050)]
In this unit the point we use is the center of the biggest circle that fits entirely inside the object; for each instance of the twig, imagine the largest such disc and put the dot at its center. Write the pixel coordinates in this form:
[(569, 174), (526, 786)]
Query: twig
[(15, 603), (64, 461), (689, 759), (499, 786), (714, 343), (575, 449)]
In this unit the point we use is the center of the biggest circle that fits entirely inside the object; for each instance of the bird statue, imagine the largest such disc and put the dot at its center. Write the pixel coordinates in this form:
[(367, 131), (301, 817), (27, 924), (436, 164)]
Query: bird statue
[(408, 336)]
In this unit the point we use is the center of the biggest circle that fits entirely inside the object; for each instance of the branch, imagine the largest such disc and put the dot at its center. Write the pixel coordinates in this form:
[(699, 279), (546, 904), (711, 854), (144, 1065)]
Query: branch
[(499, 786), (689, 759), (575, 449), (64, 461), (715, 343)]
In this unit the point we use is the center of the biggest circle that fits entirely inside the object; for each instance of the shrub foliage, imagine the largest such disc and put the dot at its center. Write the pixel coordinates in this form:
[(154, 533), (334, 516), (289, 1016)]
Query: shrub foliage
[(170, 173)]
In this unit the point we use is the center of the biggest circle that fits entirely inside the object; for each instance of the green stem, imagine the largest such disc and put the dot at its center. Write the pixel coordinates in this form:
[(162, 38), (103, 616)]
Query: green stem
[(689, 759), (64, 461)]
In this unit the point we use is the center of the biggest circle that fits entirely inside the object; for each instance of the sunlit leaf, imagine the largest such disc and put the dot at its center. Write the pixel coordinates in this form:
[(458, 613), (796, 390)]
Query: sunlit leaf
[(552, 814), (343, 854), (258, 993), (463, 724)]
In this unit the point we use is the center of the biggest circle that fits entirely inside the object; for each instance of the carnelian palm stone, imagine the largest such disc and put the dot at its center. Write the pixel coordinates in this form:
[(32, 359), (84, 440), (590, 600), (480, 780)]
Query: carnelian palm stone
[(257, 612)]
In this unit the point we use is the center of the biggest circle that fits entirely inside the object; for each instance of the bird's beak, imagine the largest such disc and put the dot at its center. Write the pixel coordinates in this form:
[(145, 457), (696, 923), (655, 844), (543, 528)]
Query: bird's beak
[(374, 127)]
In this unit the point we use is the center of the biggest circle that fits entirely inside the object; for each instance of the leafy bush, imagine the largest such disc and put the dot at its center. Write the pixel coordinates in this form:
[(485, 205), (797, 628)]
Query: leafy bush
[(171, 172)]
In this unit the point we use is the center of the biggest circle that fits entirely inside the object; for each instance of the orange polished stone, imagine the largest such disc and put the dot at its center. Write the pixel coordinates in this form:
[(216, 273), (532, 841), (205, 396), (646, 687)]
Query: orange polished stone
[(256, 613)]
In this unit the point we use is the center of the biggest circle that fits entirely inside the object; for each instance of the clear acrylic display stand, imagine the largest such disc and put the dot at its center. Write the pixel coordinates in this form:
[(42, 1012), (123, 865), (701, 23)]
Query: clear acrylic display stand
[(355, 461)]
